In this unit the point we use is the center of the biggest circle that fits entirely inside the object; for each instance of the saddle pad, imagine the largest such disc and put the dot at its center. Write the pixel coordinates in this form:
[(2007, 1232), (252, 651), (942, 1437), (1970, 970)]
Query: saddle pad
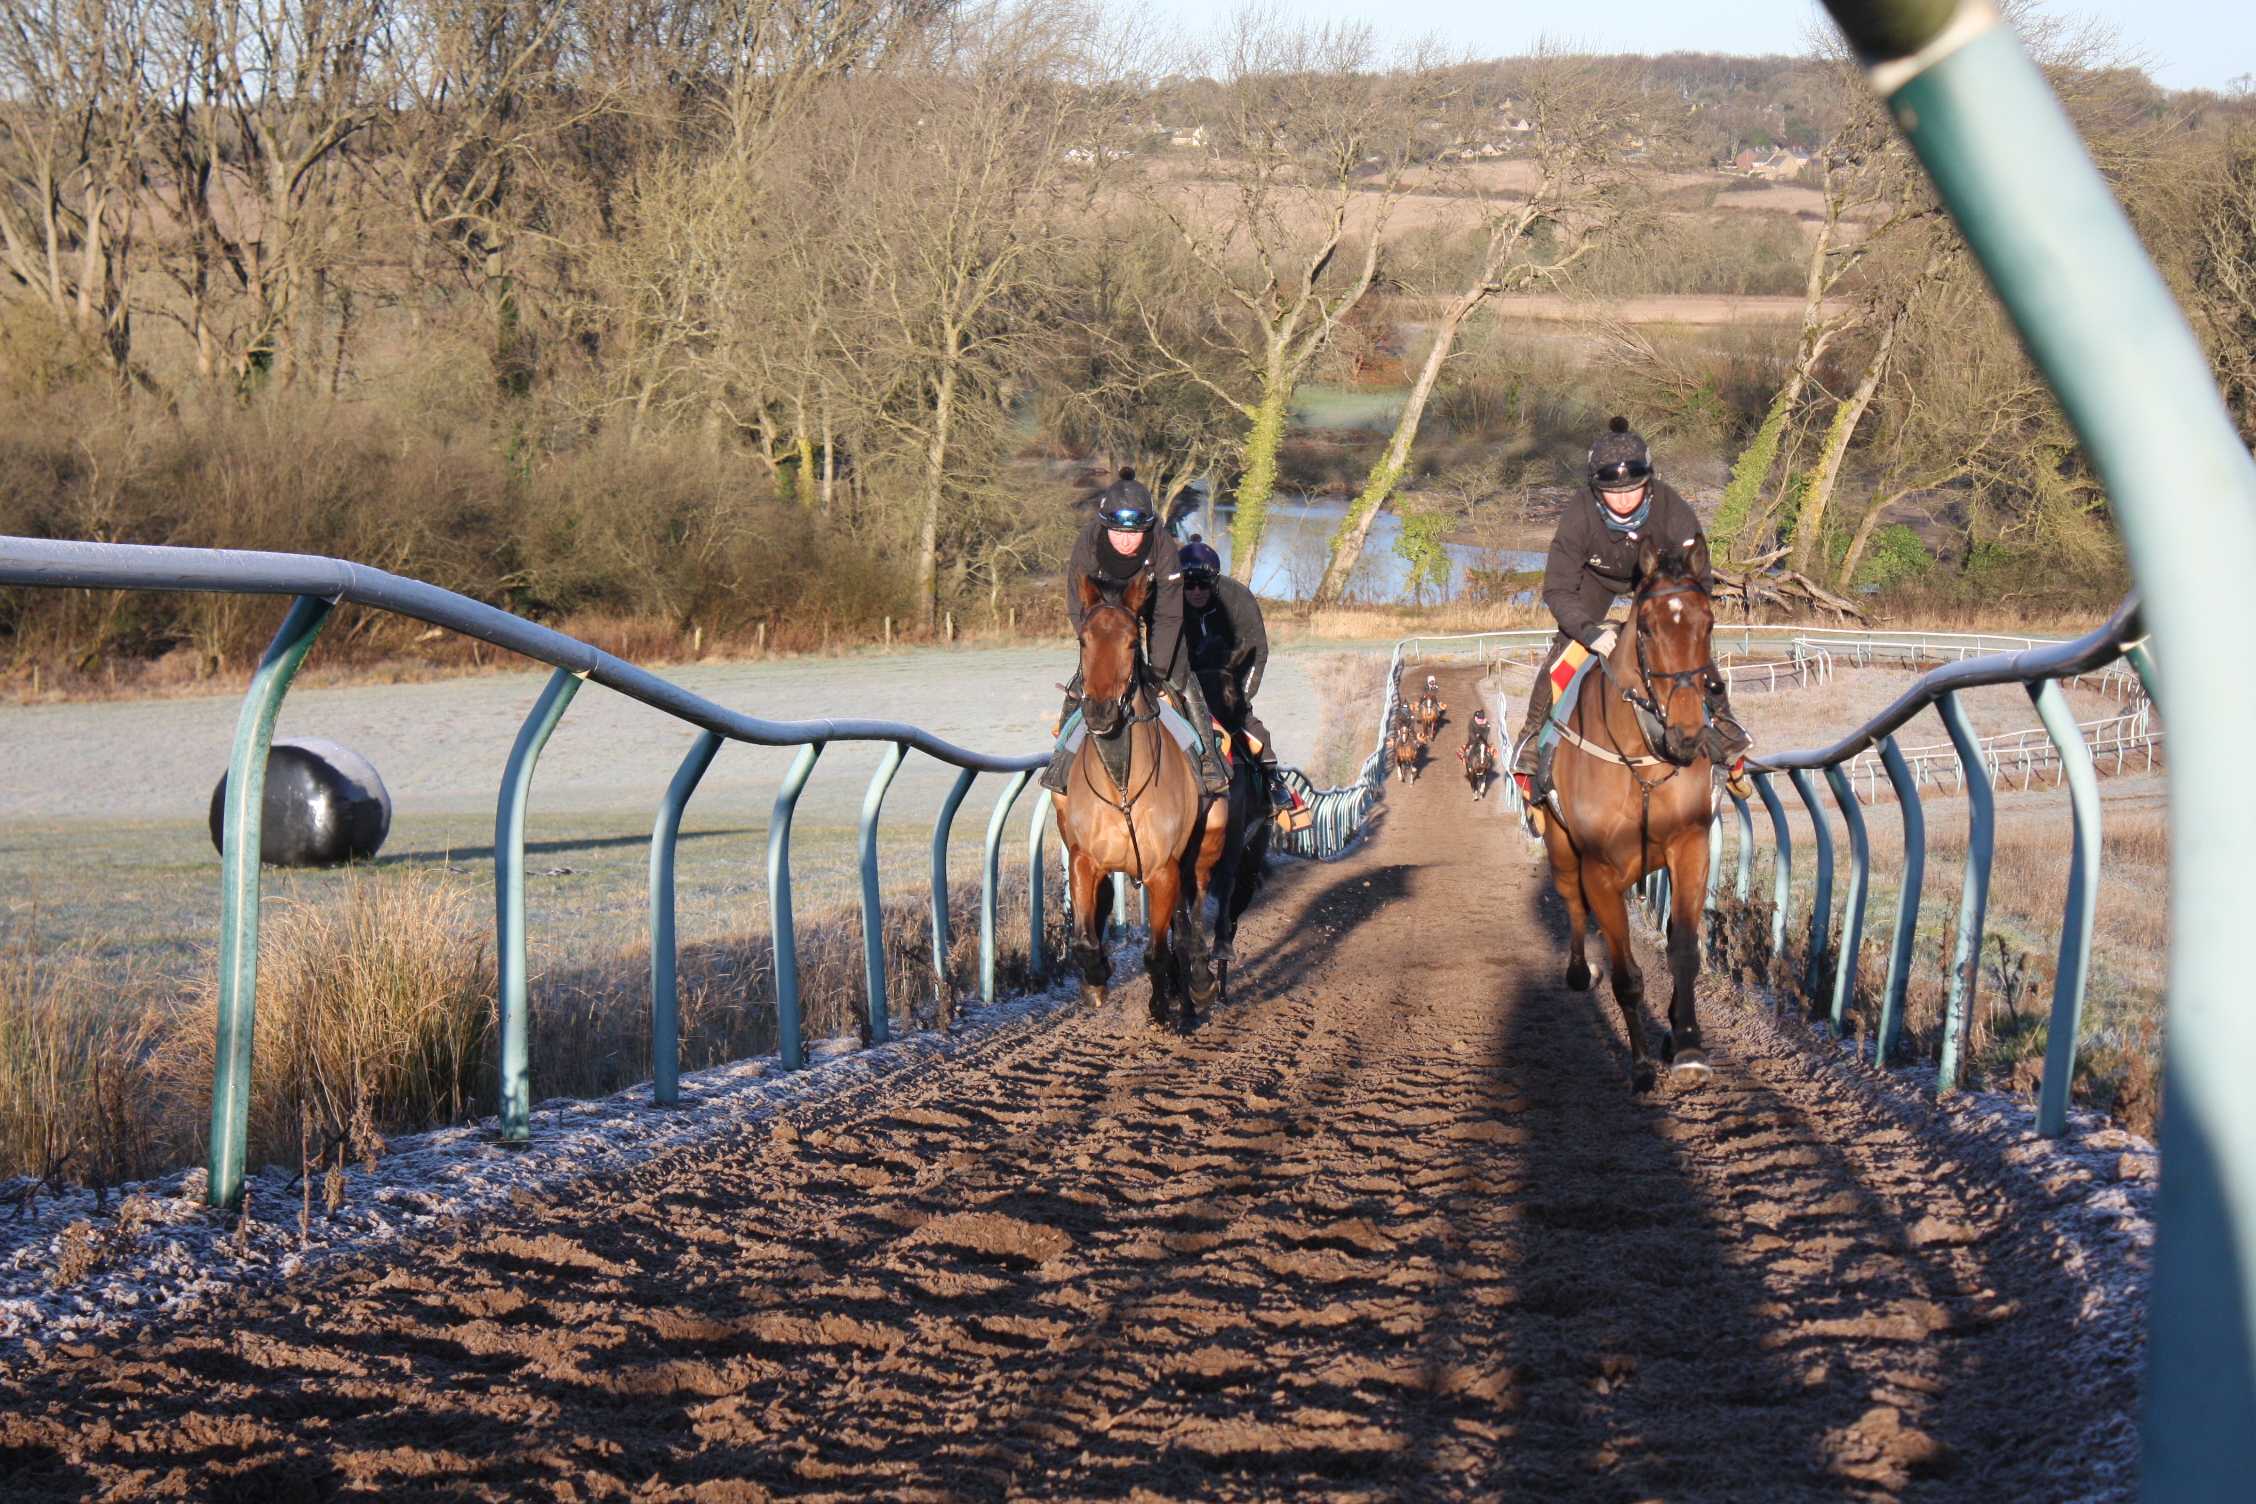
[(1567, 676)]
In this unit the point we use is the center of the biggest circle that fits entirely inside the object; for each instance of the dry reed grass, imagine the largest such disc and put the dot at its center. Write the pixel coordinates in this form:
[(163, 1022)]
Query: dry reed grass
[(1350, 689), (78, 1103)]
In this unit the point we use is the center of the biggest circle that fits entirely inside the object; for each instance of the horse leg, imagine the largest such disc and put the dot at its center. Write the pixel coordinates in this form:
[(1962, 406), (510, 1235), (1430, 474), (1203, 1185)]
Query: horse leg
[(1164, 888), (1566, 876), (1688, 885), (1092, 906), (1197, 874), (1603, 888)]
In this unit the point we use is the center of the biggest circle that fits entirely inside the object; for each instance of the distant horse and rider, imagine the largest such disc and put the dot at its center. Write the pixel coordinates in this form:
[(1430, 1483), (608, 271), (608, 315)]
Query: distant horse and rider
[(1478, 754), (1428, 711), (1405, 747)]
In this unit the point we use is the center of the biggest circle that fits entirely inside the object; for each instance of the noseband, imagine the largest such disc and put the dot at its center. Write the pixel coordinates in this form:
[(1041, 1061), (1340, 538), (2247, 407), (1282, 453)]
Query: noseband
[(1671, 742)]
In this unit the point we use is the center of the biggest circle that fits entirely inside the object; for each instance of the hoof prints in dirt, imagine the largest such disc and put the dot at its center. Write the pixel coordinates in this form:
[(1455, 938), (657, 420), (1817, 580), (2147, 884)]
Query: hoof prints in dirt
[(1388, 1227)]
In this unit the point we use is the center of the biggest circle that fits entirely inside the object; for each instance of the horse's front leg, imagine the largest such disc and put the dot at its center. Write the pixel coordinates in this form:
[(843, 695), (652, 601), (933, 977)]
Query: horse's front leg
[(1688, 888), (1603, 886), (1163, 887), (1201, 862), (1092, 906), (1566, 876)]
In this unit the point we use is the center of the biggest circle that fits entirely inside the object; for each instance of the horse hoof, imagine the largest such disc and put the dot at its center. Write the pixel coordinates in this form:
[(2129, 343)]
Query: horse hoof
[(1641, 1076), (1668, 1046), (1204, 996), (1092, 997), (1691, 1069), (1578, 977)]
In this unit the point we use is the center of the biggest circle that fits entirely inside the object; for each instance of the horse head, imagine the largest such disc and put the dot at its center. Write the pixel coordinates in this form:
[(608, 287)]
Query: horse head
[(1673, 621), (1111, 651)]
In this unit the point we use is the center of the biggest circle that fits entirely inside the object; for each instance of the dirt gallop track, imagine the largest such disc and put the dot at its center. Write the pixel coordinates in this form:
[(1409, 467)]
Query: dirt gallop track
[(1390, 1226)]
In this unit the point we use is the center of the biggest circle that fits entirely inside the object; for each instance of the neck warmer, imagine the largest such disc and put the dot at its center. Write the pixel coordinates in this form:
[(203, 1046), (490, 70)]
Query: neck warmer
[(1634, 520)]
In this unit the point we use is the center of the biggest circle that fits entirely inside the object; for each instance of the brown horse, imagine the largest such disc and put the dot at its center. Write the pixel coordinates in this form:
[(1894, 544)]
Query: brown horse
[(1133, 805), (1480, 761), (1429, 711), (1407, 746), (1632, 781)]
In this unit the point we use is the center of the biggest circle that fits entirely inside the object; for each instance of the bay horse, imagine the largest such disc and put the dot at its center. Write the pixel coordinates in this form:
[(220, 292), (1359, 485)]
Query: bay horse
[(1133, 805), (1632, 781), (1407, 746), (1429, 711), (1480, 761)]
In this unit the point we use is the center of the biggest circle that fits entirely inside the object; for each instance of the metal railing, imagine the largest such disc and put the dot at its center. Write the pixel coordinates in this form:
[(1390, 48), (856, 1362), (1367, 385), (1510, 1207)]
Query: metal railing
[(2039, 668), (319, 584)]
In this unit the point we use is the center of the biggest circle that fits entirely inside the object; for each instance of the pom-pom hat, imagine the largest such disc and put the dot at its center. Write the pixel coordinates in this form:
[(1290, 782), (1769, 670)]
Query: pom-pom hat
[(1619, 461)]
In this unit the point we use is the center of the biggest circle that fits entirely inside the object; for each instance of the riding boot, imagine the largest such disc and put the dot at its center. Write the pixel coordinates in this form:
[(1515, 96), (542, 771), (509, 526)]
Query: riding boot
[(1068, 742), (1213, 771), (1524, 761)]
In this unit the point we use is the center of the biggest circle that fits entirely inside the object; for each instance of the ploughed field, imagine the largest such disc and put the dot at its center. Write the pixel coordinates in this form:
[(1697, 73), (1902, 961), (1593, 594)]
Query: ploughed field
[(1388, 1225)]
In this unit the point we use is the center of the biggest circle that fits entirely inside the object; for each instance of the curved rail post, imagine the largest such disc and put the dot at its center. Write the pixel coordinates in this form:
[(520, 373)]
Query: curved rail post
[(782, 935), (990, 878), (665, 995), (516, 1111), (242, 827), (1821, 906), (943, 986), (1715, 866), (1981, 830), (1782, 871), (879, 1014), (1743, 884), (1852, 917), (2066, 1028), (1890, 1033), (1037, 964)]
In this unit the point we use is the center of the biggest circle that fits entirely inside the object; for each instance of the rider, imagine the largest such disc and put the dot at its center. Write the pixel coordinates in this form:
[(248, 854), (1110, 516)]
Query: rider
[(1122, 541), (1594, 559), (1476, 731), (1228, 646)]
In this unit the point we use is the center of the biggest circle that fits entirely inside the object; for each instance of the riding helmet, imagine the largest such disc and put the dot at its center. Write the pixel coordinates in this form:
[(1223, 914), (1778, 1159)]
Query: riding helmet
[(1200, 562), (1619, 461), (1126, 504)]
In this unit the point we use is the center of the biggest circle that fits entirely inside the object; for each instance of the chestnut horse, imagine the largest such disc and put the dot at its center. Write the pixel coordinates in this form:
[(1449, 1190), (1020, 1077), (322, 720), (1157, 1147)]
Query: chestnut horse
[(1133, 805), (1407, 747), (1429, 712), (1632, 780)]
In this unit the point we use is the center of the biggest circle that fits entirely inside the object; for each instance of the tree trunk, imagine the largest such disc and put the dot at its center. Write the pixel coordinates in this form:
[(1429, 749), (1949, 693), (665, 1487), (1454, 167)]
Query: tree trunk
[(1263, 440), (1740, 518), (935, 474), (1379, 486), (1865, 529), (1809, 527)]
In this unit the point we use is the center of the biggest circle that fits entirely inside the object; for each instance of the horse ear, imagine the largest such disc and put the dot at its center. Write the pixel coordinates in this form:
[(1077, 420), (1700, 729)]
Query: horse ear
[(1133, 596), (1699, 560), (1648, 557), (1090, 594)]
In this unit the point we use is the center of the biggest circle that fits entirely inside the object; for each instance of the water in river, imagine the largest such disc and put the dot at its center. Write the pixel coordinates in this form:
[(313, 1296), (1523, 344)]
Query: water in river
[(1297, 541)]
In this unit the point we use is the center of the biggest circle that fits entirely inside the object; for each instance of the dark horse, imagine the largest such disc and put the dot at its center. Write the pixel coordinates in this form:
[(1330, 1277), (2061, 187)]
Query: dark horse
[(1244, 829), (1407, 747), (1632, 775), (1480, 760), (1133, 805)]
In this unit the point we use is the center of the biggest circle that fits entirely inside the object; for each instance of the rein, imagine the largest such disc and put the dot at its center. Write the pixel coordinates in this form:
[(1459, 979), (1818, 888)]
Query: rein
[(1139, 683)]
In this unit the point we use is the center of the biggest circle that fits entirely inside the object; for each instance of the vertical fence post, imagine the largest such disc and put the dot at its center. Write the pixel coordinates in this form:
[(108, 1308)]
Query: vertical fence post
[(990, 878), (1981, 827), (878, 1014), (1744, 881), (1852, 917), (943, 986), (242, 829), (1782, 868), (2076, 921), (1037, 962), (1821, 905), (665, 996), (782, 934), (516, 1109), (1906, 784), (1715, 861)]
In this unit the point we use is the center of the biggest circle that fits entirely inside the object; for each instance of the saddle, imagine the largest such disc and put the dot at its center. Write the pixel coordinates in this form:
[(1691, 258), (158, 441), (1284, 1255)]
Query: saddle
[(1567, 674)]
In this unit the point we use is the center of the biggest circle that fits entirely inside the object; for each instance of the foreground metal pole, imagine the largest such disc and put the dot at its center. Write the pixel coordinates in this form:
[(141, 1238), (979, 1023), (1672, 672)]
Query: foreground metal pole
[(516, 1108), (990, 878), (242, 828), (943, 987), (1852, 918), (665, 995), (1890, 1033), (1782, 871), (2066, 1028), (1037, 963), (879, 1014), (781, 932), (1743, 883), (1974, 898), (2101, 324), (1821, 905)]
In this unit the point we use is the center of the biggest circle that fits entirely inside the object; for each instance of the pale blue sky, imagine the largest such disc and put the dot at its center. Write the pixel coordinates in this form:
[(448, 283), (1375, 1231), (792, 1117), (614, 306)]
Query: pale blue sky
[(2189, 44)]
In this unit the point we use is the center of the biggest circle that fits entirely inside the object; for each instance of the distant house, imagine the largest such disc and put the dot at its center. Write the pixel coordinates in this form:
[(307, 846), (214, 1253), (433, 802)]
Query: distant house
[(1780, 165), (1195, 136), (1745, 161)]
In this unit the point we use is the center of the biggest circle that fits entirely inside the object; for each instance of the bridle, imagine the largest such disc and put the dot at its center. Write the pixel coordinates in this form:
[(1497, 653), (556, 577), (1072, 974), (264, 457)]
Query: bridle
[(1122, 798), (1672, 743)]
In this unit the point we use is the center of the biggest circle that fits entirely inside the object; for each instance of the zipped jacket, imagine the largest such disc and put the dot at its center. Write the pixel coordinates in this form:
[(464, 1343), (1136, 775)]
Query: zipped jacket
[(1591, 563)]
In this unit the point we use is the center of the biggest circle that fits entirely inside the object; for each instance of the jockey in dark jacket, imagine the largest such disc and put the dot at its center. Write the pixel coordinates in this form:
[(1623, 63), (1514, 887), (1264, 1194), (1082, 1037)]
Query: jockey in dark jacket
[(1228, 646), (1593, 560), (1122, 541)]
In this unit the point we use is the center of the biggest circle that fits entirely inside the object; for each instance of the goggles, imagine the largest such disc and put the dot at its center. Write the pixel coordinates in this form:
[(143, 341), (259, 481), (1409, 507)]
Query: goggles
[(1621, 475), (1198, 577), (1128, 519)]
